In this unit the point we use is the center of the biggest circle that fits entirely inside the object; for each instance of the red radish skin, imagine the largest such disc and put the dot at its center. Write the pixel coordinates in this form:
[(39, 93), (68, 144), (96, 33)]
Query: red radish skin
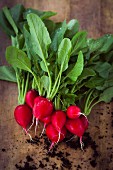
[(46, 121), (30, 96), (23, 116), (84, 121), (42, 108), (77, 127), (58, 120), (29, 99), (73, 112), (53, 134), (36, 100)]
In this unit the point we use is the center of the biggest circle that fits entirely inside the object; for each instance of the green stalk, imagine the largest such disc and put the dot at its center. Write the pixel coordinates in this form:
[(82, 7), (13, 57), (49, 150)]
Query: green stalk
[(57, 102), (39, 89), (33, 83), (56, 89), (87, 101), (73, 90), (91, 101), (26, 87), (94, 104), (18, 84), (50, 81), (56, 85), (22, 86)]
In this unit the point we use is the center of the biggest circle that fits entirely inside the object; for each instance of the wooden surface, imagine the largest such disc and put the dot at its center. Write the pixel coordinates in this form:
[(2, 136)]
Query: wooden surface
[(16, 152)]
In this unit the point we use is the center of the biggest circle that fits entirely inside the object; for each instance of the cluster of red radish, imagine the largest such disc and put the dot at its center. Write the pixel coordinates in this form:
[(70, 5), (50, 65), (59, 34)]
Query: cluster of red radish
[(56, 123)]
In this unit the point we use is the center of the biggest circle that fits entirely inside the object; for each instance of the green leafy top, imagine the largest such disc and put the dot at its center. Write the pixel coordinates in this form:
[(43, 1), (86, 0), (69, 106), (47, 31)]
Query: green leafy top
[(56, 59)]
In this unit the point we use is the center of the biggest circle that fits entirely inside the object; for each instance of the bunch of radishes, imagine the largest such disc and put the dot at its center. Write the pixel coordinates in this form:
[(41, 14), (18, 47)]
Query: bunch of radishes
[(56, 122)]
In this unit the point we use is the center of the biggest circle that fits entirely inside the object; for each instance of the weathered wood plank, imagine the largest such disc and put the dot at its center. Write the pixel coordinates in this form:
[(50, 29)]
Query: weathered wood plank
[(62, 7), (88, 14), (106, 16)]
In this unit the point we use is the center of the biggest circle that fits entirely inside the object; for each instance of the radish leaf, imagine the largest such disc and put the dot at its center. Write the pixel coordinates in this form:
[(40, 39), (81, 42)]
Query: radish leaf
[(77, 69), (72, 28), (64, 53), (107, 95), (50, 26), (27, 37), (79, 42), (87, 72), (94, 82), (41, 14), (103, 68), (17, 12), (58, 36), (10, 19), (17, 58), (43, 67), (5, 24), (39, 35), (7, 73), (45, 82)]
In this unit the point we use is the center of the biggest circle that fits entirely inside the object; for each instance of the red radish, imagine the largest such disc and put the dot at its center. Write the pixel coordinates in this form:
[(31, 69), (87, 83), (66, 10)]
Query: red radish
[(73, 112), (53, 134), (30, 96), (46, 121), (38, 99), (77, 127), (23, 116), (29, 99), (58, 120), (42, 108)]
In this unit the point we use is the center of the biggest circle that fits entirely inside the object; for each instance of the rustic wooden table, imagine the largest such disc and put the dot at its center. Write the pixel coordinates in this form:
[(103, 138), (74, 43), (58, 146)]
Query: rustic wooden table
[(16, 152)]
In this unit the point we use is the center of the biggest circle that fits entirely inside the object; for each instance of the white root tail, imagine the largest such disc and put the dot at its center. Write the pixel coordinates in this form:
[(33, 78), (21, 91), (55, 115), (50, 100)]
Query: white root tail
[(71, 138), (28, 134), (51, 146), (36, 125), (81, 143), (32, 123), (58, 137), (43, 130)]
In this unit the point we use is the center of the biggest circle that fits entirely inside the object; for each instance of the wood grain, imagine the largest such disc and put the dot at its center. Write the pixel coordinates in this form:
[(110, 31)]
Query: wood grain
[(15, 150), (88, 14), (106, 17)]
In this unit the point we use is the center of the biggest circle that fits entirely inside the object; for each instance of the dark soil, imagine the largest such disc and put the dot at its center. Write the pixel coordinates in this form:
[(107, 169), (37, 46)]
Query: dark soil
[(63, 156)]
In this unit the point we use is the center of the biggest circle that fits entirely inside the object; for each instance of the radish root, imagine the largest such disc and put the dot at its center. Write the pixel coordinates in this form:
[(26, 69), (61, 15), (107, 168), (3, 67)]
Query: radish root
[(81, 143), (28, 134), (36, 125), (71, 138), (43, 130), (32, 123), (51, 146), (58, 137)]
